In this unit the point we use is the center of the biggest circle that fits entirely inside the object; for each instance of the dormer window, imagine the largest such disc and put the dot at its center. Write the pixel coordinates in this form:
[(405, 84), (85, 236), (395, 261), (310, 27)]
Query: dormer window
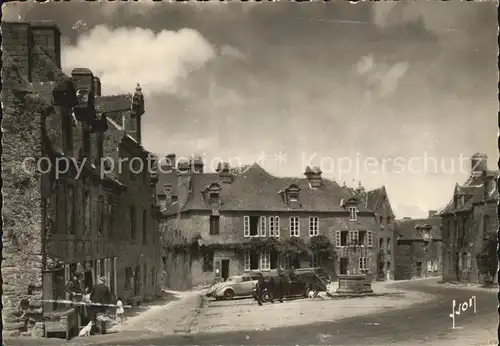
[(211, 194), (353, 213), (290, 195)]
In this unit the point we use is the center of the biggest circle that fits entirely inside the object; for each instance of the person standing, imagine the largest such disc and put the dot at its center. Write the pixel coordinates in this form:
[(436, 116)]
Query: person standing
[(119, 310)]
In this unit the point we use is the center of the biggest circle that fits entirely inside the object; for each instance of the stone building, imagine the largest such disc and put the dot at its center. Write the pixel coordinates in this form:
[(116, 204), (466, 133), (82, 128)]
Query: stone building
[(242, 220), (469, 221), (418, 251), (378, 201), (66, 201)]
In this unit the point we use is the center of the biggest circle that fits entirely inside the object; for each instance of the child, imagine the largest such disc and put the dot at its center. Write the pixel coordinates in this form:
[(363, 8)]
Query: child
[(119, 310)]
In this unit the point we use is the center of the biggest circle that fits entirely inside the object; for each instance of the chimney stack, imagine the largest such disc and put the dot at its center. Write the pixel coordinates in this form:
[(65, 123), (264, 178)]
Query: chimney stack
[(432, 213), (47, 35), (197, 165), (169, 164), (167, 190), (225, 174), (314, 177), (83, 79), (17, 40), (97, 86), (479, 164)]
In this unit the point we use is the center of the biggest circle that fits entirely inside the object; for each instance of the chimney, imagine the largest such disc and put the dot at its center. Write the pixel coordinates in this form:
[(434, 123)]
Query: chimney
[(432, 213), (169, 165), (197, 165), (225, 174), (83, 79), (184, 166), (97, 86), (47, 35), (314, 177), (17, 41), (479, 164), (167, 189), (133, 121)]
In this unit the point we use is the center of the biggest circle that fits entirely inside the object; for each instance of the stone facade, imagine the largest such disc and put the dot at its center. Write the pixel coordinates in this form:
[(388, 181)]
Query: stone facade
[(230, 201), (418, 251), (73, 220), (468, 221)]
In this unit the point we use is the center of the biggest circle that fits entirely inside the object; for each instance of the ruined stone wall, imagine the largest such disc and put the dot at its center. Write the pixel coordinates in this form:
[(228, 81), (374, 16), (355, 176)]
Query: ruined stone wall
[(21, 212)]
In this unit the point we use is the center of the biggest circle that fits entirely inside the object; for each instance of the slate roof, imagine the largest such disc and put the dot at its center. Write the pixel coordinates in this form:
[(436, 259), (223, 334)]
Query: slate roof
[(406, 228), (373, 199), (473, 191), (252, 190)]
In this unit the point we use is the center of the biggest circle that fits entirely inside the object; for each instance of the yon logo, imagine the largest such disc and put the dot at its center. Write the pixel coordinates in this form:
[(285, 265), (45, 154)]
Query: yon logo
[(462, 307)]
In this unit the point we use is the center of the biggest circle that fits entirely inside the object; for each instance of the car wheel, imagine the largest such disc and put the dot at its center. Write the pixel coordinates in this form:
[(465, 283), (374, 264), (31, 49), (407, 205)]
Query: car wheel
[(266, 296), (229, 294)]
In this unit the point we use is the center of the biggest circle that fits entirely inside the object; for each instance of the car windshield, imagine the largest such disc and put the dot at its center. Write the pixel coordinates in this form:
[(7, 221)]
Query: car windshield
[(233, 279)]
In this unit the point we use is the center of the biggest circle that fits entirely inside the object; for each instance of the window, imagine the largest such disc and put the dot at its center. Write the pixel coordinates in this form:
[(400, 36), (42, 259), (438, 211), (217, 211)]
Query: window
[(214, 225), (208, 261), (110, 221), (274, 226), (294, 227), (381, 220), (353, 214), (265, 260), (354, 237), (86, 221), (389, 245), (314, 261), (313, 226), (369, 238), (364, 263), (70, 205), (341, 238), (144, 227), (430, 266), (263, 228), (86, 143), (381, 244), (100, 215), (362, 237), (389, 220), (250, 226), (251, 260), (132, 222), (128, 278)]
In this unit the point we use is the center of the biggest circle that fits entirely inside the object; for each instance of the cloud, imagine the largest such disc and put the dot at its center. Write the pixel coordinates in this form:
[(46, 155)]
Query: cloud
[(232, 52), (122, 57)]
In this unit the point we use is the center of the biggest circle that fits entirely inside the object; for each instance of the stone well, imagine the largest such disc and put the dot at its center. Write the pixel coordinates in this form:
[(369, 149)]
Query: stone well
[(354, 284)]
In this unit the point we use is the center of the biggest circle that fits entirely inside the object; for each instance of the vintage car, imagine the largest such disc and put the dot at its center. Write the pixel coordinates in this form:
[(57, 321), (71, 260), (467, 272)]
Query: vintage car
[(235, 286), (299, 285)]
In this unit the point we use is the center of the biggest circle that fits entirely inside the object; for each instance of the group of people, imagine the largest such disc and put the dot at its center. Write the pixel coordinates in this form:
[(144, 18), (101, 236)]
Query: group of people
[(278, 286), (97, 299)]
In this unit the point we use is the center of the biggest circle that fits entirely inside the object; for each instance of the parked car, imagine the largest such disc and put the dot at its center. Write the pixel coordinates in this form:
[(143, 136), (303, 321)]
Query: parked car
[(235, 286), (298, 286)]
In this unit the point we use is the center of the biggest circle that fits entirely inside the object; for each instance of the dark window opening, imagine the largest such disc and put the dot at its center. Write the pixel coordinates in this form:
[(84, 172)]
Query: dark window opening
[(144, 228), (132, 223), (274, 259), (344, 235), (208, 261), (254, 260), (128, 278), (214, 225), (362, 237), (254, 225), (86, 143)]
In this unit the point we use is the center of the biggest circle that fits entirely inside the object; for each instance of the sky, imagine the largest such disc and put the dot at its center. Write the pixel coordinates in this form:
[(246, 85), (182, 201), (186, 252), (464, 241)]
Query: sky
[(395, 94)]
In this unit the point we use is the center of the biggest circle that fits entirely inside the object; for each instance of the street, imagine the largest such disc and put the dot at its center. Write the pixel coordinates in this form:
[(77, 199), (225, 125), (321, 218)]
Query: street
[(427, 323), (420, 324)]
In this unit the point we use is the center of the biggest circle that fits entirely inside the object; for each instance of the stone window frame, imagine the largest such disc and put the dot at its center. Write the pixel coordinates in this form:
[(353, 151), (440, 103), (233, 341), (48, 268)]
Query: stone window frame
[(294, 223), (313, 226), (274, 226)]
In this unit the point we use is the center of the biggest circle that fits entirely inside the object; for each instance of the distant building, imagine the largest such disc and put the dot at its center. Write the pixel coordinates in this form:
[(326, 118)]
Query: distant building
[(239, 218), (469, 221), (419, 247), (56, 225)]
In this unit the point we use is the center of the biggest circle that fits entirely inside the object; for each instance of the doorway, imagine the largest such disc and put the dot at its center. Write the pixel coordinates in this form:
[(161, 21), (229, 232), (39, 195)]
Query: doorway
[(344, 261), (225, 269), (419, 269)]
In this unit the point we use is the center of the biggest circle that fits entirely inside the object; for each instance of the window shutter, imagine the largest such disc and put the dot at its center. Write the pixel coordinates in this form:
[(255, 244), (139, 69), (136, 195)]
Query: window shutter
[(246, 226), (337, 238), (369, 238), (262, 226), (277, 226), (246, 260)]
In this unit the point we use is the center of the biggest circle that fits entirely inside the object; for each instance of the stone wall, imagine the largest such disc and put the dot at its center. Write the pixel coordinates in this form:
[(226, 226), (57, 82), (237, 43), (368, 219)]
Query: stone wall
[(410, 252), (483, 222), (21, 212)]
